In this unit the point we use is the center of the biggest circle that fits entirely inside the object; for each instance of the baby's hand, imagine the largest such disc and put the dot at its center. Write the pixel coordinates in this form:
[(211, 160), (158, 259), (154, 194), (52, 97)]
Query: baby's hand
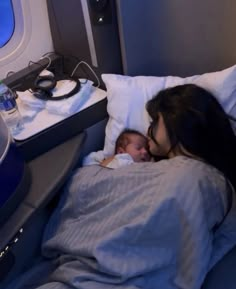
[(106, 161)]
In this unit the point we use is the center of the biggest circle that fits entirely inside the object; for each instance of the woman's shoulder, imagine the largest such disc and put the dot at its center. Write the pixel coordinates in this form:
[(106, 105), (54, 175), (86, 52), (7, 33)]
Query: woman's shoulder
[(192, 169), (183, 162)]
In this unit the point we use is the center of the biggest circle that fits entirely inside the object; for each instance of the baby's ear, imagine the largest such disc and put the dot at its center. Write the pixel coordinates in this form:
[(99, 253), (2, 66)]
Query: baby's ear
[(120, 150)]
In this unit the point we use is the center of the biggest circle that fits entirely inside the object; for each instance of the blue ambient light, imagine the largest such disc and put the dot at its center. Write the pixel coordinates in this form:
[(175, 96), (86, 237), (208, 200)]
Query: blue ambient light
[(7, 21)]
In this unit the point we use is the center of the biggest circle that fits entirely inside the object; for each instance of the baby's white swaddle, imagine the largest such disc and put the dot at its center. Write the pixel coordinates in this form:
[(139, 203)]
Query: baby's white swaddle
[(119, 160)]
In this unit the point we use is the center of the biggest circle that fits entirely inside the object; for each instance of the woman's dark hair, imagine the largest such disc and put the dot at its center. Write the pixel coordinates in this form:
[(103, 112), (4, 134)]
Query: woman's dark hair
[(194, 118)]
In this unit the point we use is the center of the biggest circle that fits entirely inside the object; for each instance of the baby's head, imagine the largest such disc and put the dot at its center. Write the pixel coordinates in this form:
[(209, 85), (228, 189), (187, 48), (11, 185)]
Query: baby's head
[(133, 143)]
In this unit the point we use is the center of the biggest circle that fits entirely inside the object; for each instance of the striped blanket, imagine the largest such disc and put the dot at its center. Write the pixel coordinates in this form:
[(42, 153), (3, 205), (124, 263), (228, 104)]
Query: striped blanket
[(146, 225)]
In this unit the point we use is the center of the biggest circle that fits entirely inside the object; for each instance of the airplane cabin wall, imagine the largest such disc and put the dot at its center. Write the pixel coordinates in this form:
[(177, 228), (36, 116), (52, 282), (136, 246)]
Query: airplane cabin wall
[(36, 39), (183, 38)]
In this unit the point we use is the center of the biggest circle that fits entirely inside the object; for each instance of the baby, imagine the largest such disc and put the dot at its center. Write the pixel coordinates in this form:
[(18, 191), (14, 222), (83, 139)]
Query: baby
[(131, 146)]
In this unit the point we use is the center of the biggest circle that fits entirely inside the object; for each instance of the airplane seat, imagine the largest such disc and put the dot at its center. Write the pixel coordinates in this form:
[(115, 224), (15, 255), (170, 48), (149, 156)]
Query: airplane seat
[(27, 250), (14, 174), (222, 275)]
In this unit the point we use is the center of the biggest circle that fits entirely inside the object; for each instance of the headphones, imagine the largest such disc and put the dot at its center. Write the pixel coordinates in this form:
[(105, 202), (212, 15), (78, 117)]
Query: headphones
[(44, 84)]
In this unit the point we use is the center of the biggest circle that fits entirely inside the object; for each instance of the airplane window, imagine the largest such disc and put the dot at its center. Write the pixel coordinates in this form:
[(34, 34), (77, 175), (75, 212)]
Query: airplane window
[(7, 21)]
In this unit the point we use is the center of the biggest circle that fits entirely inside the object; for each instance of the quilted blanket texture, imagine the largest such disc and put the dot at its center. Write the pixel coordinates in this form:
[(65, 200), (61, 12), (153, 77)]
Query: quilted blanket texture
[(146, 225)]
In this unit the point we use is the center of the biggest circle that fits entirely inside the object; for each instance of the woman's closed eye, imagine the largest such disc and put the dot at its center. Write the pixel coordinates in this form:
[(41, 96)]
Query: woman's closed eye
[(151, 129)]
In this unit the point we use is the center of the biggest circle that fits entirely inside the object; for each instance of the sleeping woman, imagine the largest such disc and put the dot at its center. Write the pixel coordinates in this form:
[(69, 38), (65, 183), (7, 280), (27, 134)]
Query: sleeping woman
[(149, 225), (187, 120)]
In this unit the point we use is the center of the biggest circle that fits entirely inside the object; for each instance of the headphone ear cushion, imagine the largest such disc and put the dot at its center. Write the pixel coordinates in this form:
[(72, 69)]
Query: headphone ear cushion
[(42, 94), (45, 83)]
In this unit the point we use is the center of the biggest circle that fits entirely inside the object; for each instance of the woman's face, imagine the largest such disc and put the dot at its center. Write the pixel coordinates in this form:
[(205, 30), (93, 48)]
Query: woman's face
[(162, 145)]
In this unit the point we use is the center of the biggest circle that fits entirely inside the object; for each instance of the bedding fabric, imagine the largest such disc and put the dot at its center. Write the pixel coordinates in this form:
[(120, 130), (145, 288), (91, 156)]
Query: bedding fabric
[(146, 225)]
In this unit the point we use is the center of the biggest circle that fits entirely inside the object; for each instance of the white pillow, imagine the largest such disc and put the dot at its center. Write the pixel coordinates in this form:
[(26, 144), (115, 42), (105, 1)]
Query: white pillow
[(127, 97)]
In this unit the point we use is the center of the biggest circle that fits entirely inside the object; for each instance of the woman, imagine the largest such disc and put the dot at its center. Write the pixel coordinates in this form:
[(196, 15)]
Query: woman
[(187, 120)]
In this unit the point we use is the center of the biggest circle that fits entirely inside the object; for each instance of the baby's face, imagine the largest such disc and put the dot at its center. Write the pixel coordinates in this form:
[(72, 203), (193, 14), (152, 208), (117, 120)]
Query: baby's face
[(138, 148)]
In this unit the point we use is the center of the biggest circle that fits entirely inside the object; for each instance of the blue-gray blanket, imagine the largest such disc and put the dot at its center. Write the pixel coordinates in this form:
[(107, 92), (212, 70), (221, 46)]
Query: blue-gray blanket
[(146, 225)]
